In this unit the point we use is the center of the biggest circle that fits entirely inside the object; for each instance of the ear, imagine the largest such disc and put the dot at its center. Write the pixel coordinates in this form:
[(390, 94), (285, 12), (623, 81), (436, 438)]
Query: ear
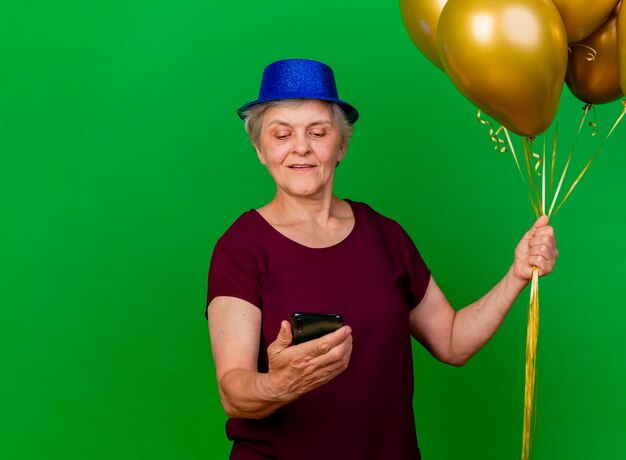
[(259, 155), (342, 151)]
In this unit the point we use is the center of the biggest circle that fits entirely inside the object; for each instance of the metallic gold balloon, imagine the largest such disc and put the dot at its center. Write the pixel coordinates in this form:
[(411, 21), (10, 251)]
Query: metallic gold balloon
[(508, 58), (420, 19), (593, 68), (621, 47), (583, 17)]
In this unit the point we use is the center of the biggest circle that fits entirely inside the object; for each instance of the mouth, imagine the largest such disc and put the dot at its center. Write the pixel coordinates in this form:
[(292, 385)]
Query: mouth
[(301, 167)]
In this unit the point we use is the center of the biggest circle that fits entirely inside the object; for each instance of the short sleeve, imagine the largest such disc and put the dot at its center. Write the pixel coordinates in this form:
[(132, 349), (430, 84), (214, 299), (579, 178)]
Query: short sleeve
[(417, 273), (234, 272)]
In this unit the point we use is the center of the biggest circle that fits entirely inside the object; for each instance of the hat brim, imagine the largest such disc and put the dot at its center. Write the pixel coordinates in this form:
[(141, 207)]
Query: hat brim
[(352, 114)]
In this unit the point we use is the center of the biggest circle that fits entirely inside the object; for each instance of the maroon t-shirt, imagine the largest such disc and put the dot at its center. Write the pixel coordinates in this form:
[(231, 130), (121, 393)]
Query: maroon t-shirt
[(373, 277)]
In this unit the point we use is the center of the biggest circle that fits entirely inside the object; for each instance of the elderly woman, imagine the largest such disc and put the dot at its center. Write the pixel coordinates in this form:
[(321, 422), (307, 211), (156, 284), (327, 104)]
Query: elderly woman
[(348, 394)]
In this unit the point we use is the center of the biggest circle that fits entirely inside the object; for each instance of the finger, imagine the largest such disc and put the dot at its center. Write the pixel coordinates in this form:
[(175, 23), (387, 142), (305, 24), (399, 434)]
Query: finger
[(544, 265), (542, 239), (541, 249), (337, 356), (547, 250), (334, 369), (320, 369), (545, 230), (284, 335), (544, 235), (538, 261), (335, 361), (324, 375), (323, 345), (283, 339), (539, 226), (541, 222)]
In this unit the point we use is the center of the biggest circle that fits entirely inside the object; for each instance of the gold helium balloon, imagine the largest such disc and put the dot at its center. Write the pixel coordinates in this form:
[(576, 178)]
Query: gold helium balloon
[(593, 68), (583, 17), (420, 19), (508, 58)]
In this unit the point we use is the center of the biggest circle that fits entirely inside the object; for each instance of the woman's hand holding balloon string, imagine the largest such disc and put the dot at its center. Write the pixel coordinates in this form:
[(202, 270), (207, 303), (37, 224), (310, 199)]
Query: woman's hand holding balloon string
[(537, 248), (455, 336)]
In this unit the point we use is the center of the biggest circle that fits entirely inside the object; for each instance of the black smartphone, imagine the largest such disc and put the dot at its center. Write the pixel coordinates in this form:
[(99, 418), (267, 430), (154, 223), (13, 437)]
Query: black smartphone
[(309, 326)]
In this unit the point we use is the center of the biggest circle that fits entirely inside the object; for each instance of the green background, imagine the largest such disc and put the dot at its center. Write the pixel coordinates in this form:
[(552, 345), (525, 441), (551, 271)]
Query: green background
[(122, 161)]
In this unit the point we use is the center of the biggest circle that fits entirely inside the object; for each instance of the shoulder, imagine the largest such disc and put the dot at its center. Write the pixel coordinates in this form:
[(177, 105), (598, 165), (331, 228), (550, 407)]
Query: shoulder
[(237, 262), (387, 231), (246, 235), (371, 217), (244, 227), (242, 245)]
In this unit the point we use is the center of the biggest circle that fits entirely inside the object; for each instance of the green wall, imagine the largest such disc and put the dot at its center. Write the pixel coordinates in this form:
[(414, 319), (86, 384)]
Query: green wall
[(122, 161)]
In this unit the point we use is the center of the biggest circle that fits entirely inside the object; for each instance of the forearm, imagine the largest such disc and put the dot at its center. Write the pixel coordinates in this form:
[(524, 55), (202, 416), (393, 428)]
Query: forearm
[(246, 394), (475, 324)]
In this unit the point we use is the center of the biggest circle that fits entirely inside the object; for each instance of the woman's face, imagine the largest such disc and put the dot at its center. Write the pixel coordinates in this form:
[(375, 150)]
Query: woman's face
[(300, 146)]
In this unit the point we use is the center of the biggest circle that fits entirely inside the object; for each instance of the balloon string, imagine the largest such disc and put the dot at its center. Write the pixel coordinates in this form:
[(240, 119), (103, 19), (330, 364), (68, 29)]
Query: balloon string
[(532, 335), (593, 157), (593, 124), (530, 390), (618, 119), (493, 135), (528, 154), (543, 178), (537, 157), (556, 135), (508, 138), (569, 158), (591, 53), (499, 144), (529, 179)]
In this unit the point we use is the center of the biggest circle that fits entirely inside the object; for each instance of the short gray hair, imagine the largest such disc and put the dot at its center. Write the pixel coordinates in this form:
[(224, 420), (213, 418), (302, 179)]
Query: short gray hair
[(253, 117)]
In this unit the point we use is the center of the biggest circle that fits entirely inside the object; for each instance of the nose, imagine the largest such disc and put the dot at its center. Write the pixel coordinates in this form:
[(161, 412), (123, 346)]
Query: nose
[(301, 145)]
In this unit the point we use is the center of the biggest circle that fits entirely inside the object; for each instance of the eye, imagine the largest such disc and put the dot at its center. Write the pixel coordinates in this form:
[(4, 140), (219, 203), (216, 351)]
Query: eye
[(318, 133), (282, 135)]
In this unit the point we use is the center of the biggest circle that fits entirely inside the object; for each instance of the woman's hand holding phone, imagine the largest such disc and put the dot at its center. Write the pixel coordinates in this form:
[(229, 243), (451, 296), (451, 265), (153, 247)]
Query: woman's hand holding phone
[(295, 370)]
